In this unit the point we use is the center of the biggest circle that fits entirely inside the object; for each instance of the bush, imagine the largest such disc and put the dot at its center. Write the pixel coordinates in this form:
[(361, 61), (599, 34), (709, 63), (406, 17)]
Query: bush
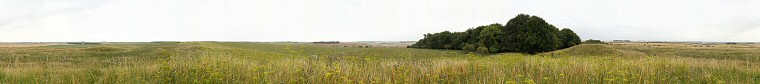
[(469, 47), (482, 50)]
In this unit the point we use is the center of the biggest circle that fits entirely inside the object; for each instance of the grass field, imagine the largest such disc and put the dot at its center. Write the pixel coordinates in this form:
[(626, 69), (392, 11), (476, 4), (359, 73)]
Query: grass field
[(228, 62)]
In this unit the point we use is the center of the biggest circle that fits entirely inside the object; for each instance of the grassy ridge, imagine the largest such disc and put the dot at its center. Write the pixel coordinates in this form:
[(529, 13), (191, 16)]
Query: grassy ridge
[(303, 63), (79, 64), (738, 54)]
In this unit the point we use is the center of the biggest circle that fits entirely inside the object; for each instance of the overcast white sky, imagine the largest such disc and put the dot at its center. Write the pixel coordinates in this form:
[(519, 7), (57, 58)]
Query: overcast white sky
[(367, 20)]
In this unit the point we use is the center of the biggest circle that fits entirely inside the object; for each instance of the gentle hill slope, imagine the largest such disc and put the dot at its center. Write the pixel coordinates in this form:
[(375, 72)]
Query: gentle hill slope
[(105, 49), (594, 50)]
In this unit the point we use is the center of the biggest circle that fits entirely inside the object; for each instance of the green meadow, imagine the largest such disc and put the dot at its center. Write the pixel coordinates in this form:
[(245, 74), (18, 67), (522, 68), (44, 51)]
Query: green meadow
[(297, 63)]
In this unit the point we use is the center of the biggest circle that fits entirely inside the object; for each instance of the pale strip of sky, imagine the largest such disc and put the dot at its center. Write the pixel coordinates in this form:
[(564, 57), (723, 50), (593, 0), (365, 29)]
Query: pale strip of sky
[(367, 20)]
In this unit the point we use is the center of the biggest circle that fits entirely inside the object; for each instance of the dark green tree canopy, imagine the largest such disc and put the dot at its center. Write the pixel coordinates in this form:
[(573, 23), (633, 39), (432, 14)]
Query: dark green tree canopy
[(570, 38), (592, 41), (531, 34), (524, 33)]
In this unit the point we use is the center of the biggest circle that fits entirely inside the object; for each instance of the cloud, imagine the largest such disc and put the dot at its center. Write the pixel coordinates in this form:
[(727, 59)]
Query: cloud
[(15, 10), (740, 29), (357, 20)]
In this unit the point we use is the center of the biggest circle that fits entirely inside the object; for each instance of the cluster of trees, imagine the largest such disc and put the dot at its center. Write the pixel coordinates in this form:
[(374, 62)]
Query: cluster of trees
[(592, 41), (524, 33)]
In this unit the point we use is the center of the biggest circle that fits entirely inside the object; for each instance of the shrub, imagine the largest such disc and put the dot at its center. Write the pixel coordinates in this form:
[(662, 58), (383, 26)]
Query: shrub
[(469, 47), (482, 50)]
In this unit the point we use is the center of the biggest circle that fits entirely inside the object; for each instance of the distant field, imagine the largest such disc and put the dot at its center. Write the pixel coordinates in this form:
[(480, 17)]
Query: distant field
[(230, 62), (690, 45), (387, 44), (741, 52)]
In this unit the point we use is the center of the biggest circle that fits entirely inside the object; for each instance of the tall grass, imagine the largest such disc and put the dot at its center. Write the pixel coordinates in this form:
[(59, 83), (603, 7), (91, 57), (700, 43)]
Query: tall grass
[(302, 63)]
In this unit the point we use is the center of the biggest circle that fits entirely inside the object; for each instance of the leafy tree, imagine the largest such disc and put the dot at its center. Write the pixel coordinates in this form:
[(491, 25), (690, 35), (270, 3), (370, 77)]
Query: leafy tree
[(473, 34), (561, 39), (459, 39), (569, 38), (530, 34), (489, 37), (441, 40)]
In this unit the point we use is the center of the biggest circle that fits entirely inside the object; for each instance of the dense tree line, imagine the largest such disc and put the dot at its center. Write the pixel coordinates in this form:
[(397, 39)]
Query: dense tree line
[(592, 41), (524, 33)]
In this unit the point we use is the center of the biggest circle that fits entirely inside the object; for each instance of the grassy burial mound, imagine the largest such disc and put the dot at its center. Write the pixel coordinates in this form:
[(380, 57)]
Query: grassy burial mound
[(723, 51), (588, 50), (596, 50)]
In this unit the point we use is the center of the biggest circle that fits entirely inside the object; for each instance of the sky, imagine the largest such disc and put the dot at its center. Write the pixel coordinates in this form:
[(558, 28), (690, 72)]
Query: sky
[(367, 20)]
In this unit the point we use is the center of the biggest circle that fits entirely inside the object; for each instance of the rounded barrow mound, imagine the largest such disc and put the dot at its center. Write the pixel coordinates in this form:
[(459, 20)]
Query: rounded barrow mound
[(594, 50)]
